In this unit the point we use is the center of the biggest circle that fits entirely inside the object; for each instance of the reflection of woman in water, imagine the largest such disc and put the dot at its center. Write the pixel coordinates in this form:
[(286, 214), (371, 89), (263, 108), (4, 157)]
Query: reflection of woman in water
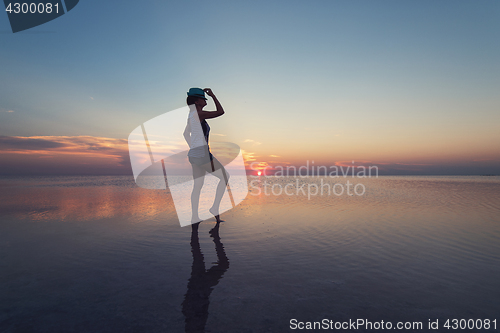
[(202, 161), (202, 281)]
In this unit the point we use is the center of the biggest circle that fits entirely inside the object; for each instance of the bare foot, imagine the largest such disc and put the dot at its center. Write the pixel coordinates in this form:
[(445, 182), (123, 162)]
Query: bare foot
[(216, 214), (195, 220)]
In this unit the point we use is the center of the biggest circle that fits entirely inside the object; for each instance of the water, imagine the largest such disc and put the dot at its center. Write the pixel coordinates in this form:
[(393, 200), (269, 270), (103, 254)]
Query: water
[(98, 254)]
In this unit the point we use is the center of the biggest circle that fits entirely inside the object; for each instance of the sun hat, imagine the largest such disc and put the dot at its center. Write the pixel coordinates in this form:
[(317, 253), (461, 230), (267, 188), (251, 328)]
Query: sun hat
[(196, 92)]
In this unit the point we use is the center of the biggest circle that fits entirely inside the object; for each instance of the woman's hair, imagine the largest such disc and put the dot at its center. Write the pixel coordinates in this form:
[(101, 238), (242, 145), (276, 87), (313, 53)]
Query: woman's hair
[(191, 100)]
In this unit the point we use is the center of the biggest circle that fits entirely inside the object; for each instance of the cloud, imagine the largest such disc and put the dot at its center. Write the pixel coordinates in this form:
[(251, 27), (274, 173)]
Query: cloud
[(92, 98), (258, 165), (217, 134), (62, 144), (16, 143), (274, 156), (63, 155), (8, 111), (255, 143), (248, 156)]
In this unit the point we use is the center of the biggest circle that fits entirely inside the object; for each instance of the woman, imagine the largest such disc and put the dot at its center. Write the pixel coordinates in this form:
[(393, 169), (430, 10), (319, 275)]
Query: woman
[(200, 157)]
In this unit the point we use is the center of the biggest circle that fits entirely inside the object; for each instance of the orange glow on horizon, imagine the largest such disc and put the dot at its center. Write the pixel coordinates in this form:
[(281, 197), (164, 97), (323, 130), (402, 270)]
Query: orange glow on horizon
[(100, 155)]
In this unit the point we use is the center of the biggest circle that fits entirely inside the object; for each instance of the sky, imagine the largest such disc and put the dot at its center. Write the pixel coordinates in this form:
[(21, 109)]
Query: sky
[(410, 86)]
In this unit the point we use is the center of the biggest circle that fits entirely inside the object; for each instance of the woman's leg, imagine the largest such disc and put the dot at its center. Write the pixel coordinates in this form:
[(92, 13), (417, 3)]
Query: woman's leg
[(198, 180), (216, 168)]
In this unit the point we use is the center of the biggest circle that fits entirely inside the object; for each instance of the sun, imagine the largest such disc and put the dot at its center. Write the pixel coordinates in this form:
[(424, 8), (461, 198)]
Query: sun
[(259, 173)]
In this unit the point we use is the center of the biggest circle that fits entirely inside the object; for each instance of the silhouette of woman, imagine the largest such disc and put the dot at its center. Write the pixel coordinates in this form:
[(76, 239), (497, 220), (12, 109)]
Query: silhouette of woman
[(201, 159), (202, 281)]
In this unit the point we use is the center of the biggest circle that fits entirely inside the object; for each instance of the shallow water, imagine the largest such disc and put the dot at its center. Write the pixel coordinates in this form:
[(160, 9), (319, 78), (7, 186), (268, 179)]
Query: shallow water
[(98, 254)]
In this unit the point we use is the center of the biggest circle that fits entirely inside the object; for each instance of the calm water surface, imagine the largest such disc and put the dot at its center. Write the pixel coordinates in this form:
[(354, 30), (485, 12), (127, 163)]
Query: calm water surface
[(98, 254)]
